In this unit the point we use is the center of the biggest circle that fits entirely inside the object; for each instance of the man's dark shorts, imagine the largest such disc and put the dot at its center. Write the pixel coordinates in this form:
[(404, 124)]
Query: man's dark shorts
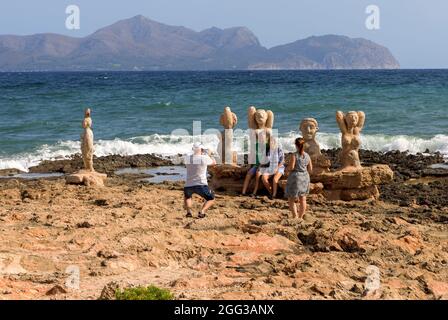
[(202, 191)]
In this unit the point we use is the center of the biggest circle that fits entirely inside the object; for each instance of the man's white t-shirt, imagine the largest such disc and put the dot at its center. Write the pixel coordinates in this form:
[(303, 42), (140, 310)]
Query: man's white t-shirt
[(197, 169)]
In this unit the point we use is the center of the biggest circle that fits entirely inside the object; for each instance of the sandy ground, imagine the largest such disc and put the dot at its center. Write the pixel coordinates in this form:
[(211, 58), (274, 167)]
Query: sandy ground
[(136, 234)]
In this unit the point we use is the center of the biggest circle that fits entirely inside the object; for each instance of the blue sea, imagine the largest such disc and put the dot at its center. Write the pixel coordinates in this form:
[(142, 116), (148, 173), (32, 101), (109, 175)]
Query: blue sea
[(153, 112)]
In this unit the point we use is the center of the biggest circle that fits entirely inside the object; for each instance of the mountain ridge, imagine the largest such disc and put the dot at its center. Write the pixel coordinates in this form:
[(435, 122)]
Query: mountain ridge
[(139, 43)]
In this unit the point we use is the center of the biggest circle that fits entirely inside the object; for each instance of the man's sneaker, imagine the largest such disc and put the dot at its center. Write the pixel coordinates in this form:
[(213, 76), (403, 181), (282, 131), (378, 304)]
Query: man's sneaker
[(189, 215), (201, 215)]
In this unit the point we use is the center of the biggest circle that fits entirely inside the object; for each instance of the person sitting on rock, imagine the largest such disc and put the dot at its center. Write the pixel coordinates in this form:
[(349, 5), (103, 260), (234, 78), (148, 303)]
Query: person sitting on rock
[(196, 180), (274, 168), (254, 170)]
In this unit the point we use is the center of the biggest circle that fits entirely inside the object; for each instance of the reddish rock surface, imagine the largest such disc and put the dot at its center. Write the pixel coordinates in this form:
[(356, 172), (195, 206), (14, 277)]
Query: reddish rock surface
[(131, 233)]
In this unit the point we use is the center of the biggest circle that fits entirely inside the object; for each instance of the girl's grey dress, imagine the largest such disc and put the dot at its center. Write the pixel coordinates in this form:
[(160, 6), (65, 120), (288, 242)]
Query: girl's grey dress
[(298, 183)]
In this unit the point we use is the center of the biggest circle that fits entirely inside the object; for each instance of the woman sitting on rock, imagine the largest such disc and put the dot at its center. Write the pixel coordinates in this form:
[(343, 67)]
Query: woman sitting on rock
[(260, 146), (274, 168), (298, 184)]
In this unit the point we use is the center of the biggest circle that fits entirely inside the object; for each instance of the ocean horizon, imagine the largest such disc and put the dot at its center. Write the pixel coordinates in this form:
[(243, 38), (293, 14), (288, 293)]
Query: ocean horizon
[(137, 112)]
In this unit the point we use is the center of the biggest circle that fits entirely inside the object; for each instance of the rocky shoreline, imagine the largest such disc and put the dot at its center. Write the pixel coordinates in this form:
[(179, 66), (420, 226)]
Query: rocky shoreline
[(414, 181), (135, 233), (405, 165), (107, 164)]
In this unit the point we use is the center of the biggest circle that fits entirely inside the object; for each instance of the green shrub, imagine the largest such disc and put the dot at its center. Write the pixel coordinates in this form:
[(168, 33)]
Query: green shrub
[(142, 293)]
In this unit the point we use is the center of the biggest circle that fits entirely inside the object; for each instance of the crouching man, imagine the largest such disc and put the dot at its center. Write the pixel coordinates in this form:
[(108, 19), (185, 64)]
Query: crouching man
[(196, 181)]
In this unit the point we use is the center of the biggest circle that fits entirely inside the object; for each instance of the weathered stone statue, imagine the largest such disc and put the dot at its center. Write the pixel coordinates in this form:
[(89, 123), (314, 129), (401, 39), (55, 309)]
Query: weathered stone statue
[(88, 176), (87, 142), (309, 128), (260, 123), (352, 183), (260, 119), (228, 120), (350, 125)]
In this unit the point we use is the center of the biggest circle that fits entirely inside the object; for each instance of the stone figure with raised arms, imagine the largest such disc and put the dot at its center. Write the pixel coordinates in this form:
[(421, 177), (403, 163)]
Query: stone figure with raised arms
[(350, 124), (260, 119)]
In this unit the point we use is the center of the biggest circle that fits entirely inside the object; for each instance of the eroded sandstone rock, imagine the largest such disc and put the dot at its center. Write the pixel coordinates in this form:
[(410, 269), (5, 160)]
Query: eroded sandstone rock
[(87, 178), (352, 194), (360, 184), (109, 291), (339, 185), (361, 178), (57, 289)]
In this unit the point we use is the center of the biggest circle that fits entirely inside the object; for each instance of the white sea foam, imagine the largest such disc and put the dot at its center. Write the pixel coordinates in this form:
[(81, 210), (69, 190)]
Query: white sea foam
[(168, 146)]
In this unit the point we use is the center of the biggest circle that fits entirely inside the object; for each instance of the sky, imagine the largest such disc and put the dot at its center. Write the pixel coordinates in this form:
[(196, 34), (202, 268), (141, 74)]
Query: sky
[(416, 31)]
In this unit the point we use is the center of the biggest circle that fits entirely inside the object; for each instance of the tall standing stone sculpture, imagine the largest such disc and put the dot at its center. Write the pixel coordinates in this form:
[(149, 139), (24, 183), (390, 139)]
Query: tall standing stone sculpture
[(87, 176), (87, 141), (309, 127), (228, 120), (350, 125)]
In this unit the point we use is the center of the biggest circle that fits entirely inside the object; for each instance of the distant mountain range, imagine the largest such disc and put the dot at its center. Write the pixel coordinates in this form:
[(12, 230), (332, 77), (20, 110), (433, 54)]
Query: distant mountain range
[(139, 43)]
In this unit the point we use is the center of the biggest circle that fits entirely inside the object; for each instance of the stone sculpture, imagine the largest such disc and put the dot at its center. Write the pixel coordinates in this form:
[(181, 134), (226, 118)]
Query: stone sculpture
[(353, 182), (309, 128), (87, 176), (87, 141), (260, 119), (350, 125), (260, 123), (228, 120)]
